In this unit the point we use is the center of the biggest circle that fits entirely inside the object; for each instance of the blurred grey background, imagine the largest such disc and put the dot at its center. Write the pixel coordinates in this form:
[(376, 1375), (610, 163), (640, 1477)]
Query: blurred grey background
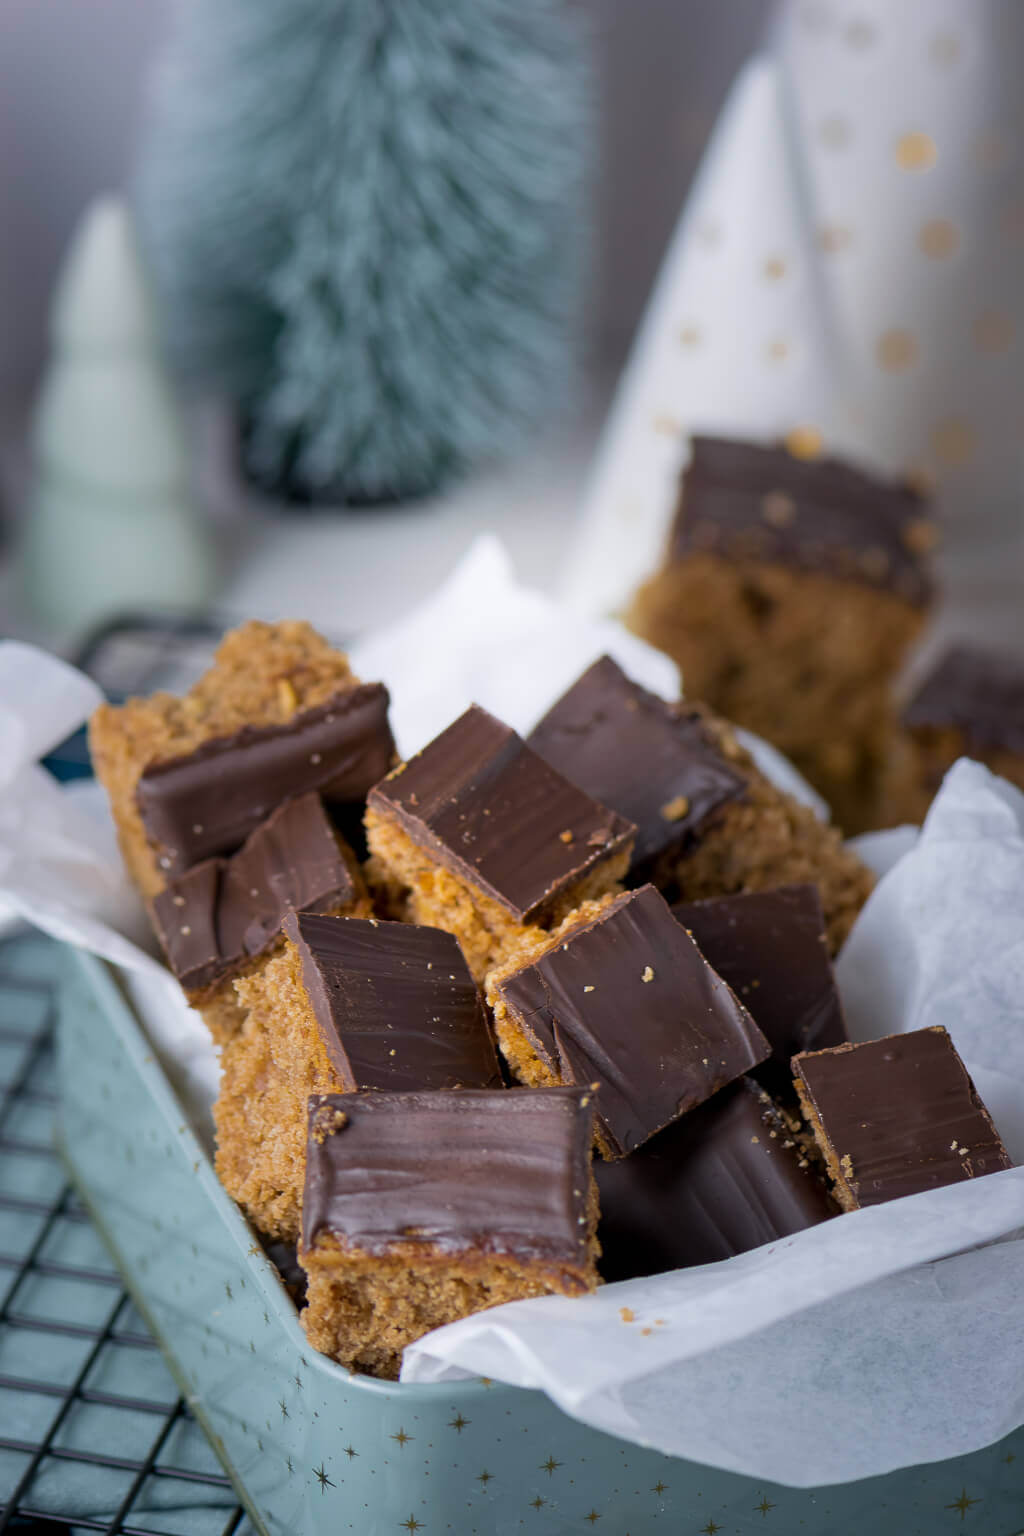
[(72, 84)]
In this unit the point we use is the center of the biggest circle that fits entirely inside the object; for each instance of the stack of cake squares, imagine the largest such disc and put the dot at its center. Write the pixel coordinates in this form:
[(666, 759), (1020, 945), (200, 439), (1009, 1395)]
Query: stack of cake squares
[(513, 1016)]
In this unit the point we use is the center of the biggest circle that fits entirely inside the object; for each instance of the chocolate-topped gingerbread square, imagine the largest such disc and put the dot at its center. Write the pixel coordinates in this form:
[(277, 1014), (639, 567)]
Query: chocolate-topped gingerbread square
[(725, 1178), (210, 800), (709, 822), (791, 589), (489, 839), (350, 1004), (897, 1116), (622, 998), (971, 704), (420, 1208), (278, 715), (653, 761), (772, 948)]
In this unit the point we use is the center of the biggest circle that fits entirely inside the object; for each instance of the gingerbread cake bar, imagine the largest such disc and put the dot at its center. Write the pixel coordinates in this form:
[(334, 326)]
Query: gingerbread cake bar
[(896, 1116), (709, 823), (772, 949), (490, 841), (421, 1208), (217, 919), (731, 1176), (792, 587), (970, 705), (349, 1004), (278, 715), (623, 999)]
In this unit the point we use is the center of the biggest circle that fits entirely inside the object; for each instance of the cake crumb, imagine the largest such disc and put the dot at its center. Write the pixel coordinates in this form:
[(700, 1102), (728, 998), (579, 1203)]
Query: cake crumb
[(676, 808), (588, 989), (627, 1314), (648, 974), (286, 696), (566, 836), (326, 1122)]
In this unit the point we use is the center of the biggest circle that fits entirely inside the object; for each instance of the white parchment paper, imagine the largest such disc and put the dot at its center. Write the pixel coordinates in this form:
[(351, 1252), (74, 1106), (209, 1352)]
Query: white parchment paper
[(895, 1331)]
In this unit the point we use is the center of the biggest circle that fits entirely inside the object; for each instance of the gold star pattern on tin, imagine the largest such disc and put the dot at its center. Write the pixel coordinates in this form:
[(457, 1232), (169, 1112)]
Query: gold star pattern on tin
[(1009, 1459), (227, 1291), (764, 1506), (320, 1473), (283, 1407), (458, 1423), (484, 1477), (297, 1380), (659, 1487), (349, 1452), (412, 1524), (963, 1503), (402, 1438), (538, 1502), (593, 1517), (290, 1465), (710, 1529), (549, 1466)]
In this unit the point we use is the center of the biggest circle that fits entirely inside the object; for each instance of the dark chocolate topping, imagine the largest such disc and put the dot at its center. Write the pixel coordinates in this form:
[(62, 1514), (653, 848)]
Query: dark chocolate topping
[(396, 1004), (900, 1115), (723, 1179), (220, 913), (628, 1001), (491, 1172), (211, 800), (976, 693), (746, 501), (496, 815), (655, 763), (772, 948)]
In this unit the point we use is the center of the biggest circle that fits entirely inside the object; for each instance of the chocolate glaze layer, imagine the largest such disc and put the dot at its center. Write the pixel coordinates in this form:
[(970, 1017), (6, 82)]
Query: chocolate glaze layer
[(396, 1005), (629, 1002), (222, 912), (651, 761), (746, 501), (498, 816), (726, 1178), (898, 1115), (504, 1173), (211, 800), (974, 692), (772, 948)]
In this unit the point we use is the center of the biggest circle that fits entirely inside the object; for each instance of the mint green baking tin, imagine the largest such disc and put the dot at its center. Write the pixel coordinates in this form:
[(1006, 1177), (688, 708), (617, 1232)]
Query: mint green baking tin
[(312, 1449)]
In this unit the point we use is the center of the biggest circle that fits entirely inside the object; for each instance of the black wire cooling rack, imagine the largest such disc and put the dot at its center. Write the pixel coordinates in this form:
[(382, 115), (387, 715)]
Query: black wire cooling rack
[(93, 1433)]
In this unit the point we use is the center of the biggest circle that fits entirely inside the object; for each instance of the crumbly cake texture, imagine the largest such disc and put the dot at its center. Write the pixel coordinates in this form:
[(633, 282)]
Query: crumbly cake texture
[(763, 840), (624, 999), (269, 1069), (424, 1208), (262, 675), (802, 659), (896, 1116), (792, 588), (348, 1004), (489, 841)]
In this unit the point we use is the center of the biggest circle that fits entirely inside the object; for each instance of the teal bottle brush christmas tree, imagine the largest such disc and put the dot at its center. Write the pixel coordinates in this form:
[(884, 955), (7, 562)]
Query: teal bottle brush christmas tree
[(366, 222)]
